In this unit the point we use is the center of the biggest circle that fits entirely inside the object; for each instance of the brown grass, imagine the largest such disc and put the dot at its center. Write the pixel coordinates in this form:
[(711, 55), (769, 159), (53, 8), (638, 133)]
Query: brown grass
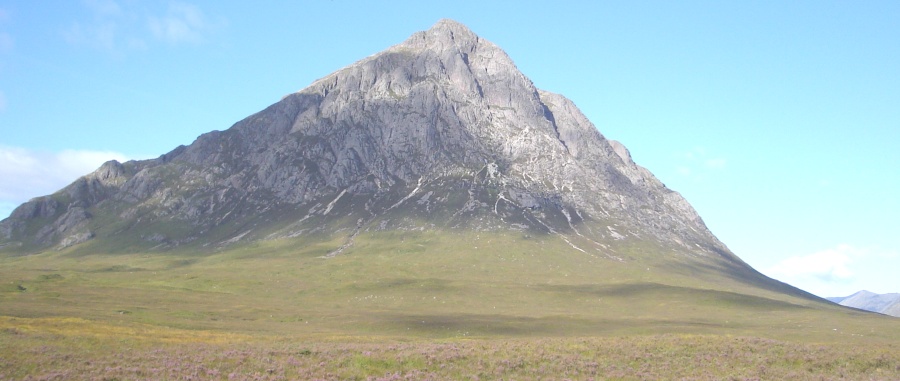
[(74, 349)]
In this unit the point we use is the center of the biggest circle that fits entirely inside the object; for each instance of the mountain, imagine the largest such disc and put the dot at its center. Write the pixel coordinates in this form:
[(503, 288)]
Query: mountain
[(429, 187), (888, 304), (440, 131)]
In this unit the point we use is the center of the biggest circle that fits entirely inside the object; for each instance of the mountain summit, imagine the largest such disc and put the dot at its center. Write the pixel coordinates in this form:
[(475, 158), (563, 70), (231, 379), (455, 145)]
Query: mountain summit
[(430, 187), (439, 133)]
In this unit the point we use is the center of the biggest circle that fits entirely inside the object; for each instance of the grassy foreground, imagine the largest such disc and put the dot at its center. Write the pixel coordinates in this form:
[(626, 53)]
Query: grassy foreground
[(421, 305), (74, 349)]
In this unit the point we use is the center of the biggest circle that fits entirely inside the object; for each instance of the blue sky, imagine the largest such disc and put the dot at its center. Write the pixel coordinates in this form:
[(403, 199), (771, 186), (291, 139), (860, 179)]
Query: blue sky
[(778, 121)]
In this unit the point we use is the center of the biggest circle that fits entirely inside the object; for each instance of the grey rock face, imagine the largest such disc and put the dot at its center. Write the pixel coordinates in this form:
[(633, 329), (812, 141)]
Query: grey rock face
[(440, 131)]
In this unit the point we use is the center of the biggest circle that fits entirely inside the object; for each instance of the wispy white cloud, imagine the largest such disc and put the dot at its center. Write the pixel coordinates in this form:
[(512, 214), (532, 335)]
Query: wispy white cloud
[(698, 162), (106, 28), (117, 27), (827, 265), (104, 7), (717, 163), (182, 23), (27, 173), (839, 271), (99, 35)]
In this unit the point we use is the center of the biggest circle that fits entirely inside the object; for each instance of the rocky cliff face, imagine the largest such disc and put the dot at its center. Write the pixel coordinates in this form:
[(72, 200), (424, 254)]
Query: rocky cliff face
[(439, 132)]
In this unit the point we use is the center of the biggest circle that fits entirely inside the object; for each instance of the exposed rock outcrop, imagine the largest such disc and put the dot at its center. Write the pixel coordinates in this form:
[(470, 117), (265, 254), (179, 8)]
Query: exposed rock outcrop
[(440, 131)]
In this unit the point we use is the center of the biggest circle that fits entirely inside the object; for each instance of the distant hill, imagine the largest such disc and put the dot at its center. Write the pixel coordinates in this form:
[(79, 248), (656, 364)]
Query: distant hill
[(888, 304)]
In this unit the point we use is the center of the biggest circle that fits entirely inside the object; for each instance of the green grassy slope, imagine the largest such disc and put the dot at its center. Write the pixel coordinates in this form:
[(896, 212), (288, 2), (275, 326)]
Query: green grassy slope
[(439, 284)]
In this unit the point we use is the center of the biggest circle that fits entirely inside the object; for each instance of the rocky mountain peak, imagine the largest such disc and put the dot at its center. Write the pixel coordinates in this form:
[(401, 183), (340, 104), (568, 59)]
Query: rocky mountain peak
[(449, 31), (447, 39), (447, 54), (441, 131)]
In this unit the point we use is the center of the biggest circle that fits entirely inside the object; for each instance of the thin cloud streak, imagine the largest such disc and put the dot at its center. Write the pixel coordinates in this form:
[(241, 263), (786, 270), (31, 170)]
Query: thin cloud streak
[(117, 29), (99, 35), (104, 7), (834, 271), (697, 163), (182, 23)]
